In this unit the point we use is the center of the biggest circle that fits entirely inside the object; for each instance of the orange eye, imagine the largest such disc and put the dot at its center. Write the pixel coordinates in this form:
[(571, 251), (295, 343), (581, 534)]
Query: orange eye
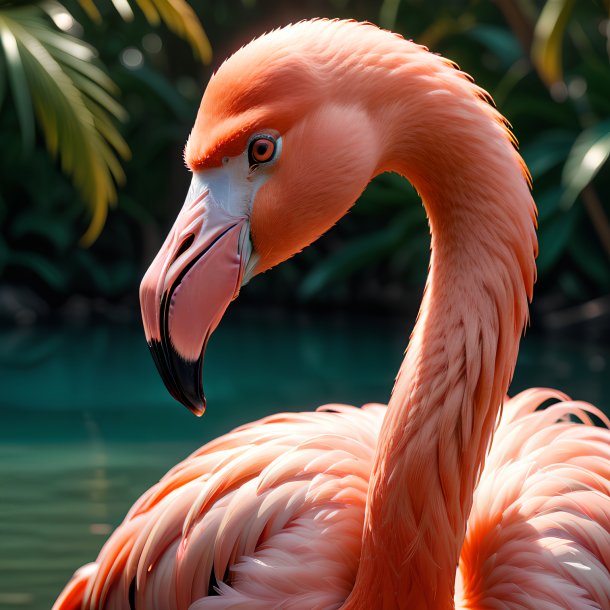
[(261, 150)]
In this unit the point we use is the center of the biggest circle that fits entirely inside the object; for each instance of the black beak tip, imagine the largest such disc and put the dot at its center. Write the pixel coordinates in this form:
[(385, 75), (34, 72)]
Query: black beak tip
[(182, 377), (197, 408)]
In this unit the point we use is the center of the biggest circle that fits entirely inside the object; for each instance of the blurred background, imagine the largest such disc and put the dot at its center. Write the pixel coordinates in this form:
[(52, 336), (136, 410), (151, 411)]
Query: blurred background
[(97, 98)]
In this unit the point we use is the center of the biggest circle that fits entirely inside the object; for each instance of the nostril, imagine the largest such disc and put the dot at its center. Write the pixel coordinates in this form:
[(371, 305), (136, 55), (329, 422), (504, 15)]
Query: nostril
[(184, 246)]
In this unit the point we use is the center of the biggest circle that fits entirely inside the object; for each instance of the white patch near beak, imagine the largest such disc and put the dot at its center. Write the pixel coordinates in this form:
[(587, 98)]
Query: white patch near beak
[(233, 186)]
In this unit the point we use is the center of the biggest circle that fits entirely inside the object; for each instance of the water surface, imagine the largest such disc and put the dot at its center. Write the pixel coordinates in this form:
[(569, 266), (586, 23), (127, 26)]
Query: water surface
[(86, 425)]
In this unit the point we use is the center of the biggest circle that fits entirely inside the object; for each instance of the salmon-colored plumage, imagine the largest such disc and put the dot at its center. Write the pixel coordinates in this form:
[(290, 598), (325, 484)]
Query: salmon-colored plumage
[(406, 506)]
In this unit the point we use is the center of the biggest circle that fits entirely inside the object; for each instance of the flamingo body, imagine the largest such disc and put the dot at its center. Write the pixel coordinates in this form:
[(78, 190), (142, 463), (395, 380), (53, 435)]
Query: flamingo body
[(271, 514), (406, 506), (278, 504)]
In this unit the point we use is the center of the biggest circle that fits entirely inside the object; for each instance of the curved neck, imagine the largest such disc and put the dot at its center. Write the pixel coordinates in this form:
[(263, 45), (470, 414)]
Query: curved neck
[(454, 148)]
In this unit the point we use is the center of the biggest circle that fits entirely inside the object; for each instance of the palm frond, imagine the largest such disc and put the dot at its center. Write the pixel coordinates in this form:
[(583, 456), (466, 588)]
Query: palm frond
[(51, 75), (2, 82), (18, 83), (177, 15), (181, 19)]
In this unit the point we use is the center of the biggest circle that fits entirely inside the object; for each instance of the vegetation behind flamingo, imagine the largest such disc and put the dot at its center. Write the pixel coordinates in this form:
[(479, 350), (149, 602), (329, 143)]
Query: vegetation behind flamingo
[(372, 507)]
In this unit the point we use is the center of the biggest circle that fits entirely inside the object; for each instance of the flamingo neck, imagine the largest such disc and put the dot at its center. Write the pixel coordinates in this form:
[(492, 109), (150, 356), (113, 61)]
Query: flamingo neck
[(458, 153)]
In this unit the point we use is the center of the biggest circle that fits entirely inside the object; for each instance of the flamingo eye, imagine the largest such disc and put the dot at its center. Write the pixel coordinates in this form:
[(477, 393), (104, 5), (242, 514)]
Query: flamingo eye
[(261, 150)]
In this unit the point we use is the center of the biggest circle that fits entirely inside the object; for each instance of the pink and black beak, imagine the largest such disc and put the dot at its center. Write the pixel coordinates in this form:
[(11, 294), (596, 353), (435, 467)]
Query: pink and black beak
[(189, 285)]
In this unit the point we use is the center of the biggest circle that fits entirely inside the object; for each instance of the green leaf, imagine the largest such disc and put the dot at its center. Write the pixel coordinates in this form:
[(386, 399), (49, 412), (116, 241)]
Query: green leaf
[(100, 97), (553, 237), (164, 89), (181, 19), (73, 105), (513, 75), (18, 80), (95, 271), (500, 41), (389, 191), (58, 232), (573, 286), (590, 258), (388, 13), (548, 39), (123, 9), (547, 151), (3, 78), (107, 278), (597, 76), (588, 155), (92, 12), (361, 252), (548, 204), (43, 268), (136, 210), (531, 107)]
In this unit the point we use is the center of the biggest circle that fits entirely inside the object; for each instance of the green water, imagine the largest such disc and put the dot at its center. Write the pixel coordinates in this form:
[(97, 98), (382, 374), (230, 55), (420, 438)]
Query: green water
[(86, 425)]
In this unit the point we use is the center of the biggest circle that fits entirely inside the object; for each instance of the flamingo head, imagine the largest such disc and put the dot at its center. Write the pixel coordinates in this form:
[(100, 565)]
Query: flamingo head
[(278, 154)]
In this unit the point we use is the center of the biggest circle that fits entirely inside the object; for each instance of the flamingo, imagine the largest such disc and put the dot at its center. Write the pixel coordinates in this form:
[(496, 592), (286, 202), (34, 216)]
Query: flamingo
[(404, 506)]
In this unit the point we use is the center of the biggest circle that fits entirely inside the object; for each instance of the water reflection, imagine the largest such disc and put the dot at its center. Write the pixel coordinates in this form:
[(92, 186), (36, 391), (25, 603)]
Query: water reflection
[(86, 425)]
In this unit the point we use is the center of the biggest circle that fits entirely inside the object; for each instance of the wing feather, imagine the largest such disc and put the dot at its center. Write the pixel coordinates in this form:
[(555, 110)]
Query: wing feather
[(269, 512), (539, 532)]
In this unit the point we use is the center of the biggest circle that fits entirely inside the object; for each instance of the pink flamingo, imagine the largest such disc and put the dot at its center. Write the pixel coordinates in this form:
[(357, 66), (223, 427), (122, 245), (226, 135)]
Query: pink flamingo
[(372, 508)]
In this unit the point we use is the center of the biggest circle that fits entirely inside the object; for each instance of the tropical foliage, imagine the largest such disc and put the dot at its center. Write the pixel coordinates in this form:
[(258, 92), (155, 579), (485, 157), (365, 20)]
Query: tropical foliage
[(547, 67), (83, 101), (52, 74), (94, 96)]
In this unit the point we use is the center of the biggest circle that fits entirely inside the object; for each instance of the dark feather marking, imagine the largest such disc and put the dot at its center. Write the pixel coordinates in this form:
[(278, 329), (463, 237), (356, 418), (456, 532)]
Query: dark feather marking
[(213, 584), (132, 594)]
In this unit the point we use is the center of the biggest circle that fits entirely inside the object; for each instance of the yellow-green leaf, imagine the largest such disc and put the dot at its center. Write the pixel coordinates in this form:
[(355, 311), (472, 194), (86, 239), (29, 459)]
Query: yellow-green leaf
[(548, 39), (73, 105), (181, 19), (18, 82), (588, 155), (89, 7)]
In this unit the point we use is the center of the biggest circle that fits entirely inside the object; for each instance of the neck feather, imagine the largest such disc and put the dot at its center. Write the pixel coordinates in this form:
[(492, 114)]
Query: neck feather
[(456, 150)]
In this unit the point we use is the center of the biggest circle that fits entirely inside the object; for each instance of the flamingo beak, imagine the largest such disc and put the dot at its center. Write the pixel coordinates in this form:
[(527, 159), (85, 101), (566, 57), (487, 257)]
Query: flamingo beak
[(188, 287)]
